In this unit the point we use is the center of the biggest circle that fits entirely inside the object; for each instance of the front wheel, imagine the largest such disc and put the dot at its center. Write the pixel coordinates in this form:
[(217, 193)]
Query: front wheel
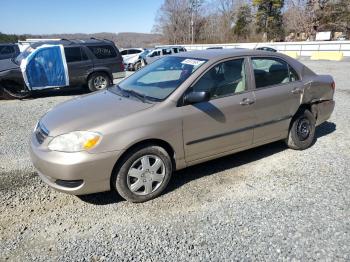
[(98, 81), (14, 91), (144, 174), (137, 65), (302, 131)]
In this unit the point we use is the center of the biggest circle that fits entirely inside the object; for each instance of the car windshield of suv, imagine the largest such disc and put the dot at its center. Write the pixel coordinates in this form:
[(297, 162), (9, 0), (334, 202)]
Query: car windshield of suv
[(159, 79), (24, 55)]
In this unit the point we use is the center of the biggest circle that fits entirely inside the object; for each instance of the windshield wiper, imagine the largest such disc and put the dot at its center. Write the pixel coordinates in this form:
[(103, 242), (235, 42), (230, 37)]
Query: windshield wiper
[(128, 92), (140, 96), (118, 91)]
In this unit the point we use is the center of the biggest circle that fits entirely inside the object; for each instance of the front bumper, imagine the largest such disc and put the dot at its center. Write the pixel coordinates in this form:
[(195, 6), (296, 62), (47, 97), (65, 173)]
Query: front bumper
[(73, 173)]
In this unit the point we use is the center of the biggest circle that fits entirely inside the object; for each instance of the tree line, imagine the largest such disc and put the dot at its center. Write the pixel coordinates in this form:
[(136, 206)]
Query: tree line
[(219, 21)]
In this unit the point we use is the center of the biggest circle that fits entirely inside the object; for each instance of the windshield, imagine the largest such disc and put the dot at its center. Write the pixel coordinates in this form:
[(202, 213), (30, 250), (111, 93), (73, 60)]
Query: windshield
[(144, 53), (159, 79), (24, 55)]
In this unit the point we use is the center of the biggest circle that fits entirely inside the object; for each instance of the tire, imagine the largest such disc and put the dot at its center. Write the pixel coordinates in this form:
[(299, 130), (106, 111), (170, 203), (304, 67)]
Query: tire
[(14, 92), (302, 131), (98, 81), (134, 173), (137, 65)]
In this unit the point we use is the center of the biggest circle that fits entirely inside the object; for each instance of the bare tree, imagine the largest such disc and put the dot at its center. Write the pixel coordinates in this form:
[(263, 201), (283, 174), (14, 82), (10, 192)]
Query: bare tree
[(297, 18)]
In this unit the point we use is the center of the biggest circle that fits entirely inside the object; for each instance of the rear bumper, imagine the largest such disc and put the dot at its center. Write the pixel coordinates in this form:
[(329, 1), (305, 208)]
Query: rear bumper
[(324, 111), (74, 173)]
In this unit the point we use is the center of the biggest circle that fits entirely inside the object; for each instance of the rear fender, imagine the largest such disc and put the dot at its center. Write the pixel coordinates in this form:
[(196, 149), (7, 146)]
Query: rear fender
[(318, 89)]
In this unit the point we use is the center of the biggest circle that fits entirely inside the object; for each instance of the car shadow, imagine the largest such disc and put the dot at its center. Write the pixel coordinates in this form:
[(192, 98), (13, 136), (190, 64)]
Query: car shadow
[(324, 129), (66, 91), (189, 174), (71, 91)]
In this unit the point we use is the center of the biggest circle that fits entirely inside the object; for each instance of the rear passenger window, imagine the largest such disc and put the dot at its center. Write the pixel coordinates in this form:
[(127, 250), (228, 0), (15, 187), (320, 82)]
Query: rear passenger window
[(103, 51), (73, 54), (272, 71)]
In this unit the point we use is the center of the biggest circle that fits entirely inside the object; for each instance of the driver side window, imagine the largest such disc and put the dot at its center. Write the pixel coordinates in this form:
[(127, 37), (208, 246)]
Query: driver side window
[(223, 79)]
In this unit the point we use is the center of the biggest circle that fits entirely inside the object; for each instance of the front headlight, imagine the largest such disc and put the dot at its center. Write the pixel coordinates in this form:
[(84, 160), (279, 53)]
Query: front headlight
[(75, 141)]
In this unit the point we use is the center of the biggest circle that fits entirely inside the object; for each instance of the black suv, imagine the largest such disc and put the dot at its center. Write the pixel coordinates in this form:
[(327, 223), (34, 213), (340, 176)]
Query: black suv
[(92, 62), (8, 51)]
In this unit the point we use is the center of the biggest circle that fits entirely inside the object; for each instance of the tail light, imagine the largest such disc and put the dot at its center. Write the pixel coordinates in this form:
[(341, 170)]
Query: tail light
[(333, 85), (122, 67)]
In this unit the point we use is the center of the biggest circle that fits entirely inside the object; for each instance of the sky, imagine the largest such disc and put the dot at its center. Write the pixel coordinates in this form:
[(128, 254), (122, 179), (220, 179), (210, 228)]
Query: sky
[(77, 16)]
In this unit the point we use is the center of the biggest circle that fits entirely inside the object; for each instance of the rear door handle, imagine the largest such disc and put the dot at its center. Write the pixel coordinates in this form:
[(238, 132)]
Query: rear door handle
[(297, 91), (246, 101)]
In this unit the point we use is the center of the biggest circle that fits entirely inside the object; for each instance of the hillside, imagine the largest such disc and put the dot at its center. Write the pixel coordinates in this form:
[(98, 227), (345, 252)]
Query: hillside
[(123, 40)]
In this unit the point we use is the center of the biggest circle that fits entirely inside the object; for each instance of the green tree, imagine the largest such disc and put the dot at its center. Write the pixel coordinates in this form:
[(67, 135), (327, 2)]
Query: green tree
[(269, 18), (244, 19)]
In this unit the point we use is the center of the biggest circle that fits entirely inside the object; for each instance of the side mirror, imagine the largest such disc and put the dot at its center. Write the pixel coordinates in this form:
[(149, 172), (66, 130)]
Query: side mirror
[(196, 97)]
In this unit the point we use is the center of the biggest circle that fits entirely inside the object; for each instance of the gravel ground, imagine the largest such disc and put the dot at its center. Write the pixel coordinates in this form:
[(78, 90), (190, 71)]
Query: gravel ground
[(269, 203)]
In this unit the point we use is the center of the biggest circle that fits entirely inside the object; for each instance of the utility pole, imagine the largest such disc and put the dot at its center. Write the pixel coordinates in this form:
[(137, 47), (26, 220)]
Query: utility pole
[(192, 27), (193, 8)]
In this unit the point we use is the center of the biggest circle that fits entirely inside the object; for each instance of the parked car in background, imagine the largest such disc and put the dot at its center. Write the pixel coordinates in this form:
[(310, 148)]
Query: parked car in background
[(266, 48), (179, 111), (136, 63), (93, 63), (130, 52), (341, 38), (175, 48), (158, 52), (130, 56), (8, 51)]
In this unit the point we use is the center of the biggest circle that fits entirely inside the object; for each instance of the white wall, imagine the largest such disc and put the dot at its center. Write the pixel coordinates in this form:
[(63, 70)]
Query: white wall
[(303, 48)]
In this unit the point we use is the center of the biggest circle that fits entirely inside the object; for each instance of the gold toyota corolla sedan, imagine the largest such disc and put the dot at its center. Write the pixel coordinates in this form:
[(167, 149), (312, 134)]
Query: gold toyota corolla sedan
[(179, 111)]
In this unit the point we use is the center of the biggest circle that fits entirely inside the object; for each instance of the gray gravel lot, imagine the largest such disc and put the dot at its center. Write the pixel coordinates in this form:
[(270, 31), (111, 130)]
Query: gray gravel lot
[(269, 203)]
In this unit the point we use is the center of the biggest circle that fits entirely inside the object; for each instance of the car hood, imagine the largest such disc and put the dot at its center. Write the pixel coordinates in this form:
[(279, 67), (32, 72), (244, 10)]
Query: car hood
[(7, 64), (90, 112)]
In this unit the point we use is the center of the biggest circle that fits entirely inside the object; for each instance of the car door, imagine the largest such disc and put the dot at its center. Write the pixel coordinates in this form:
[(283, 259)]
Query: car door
[(226, 121), (79, 65), (277, 94)]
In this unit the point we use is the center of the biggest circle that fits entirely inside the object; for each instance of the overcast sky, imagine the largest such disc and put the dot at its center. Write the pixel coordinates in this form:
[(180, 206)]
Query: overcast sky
[(77, 16)]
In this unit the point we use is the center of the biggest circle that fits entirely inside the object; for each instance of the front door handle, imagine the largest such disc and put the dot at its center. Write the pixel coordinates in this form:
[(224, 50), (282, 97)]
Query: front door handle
[(246, 101), (297, 91)]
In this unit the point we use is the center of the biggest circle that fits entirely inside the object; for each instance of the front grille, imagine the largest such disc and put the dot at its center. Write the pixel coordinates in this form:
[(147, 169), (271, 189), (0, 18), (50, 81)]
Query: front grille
[(41, 133)]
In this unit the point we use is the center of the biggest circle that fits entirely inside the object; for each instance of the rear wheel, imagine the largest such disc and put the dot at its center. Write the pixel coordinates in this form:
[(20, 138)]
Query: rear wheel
[(302, 131), (144, 174), (98, 81)]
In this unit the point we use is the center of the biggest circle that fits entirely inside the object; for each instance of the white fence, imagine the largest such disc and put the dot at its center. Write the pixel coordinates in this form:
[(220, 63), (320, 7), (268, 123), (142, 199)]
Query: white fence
[(302, 48)]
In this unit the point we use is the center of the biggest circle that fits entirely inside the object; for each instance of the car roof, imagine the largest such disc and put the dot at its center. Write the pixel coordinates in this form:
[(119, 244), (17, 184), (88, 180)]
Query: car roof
[(133, 48), (74, 42), (218, 54)]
